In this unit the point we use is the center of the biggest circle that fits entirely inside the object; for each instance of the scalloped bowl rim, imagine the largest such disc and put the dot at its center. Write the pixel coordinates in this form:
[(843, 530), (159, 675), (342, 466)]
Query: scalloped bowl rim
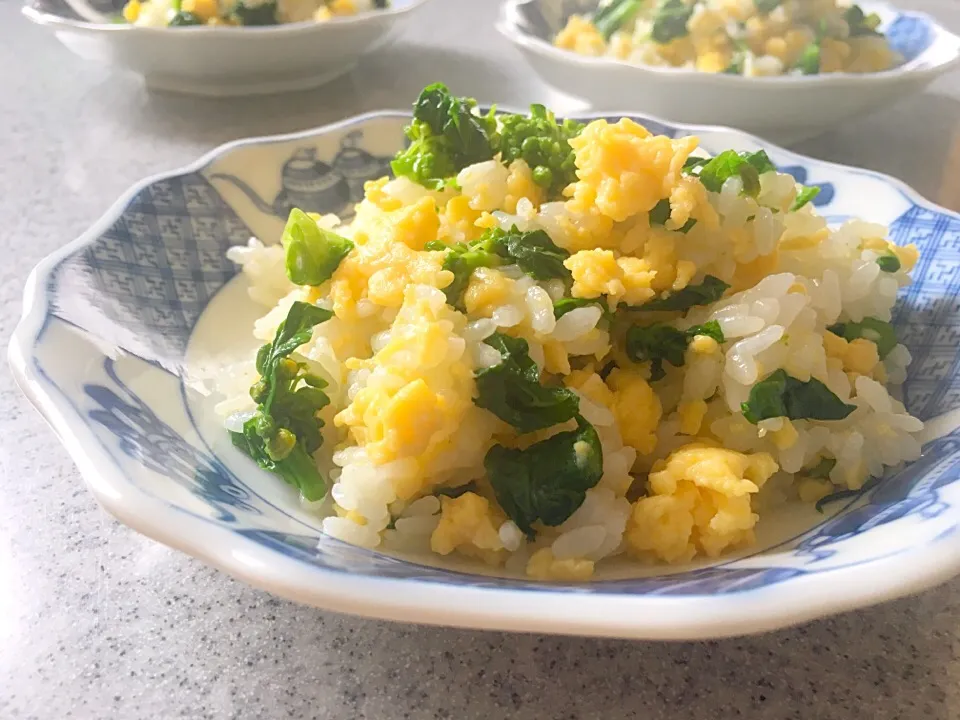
[(509, 27), (423, 601), (50, 19)]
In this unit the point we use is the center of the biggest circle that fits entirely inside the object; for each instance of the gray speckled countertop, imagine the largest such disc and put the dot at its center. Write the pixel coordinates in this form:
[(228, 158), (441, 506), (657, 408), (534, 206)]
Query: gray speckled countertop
[(99, 622)]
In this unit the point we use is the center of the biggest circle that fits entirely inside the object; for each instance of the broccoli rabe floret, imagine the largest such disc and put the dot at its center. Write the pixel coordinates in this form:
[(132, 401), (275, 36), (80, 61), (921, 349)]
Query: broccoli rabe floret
[(544, 144), (446, 136)]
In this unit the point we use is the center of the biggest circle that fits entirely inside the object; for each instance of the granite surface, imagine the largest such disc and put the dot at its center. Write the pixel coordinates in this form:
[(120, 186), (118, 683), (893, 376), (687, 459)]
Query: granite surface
[(98, 622)]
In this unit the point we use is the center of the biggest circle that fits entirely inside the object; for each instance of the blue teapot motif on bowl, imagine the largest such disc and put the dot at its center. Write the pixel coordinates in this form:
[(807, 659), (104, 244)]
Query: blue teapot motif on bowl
[(313, 185)]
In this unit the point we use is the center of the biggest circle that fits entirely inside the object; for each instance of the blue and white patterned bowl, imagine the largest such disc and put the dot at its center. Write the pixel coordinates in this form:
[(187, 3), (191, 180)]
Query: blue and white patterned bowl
[(784, 109), (114, 323)]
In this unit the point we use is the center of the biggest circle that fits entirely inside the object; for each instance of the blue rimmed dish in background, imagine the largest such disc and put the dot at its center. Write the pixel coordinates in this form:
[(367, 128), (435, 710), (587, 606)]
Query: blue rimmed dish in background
[(118, 325), (781, 108), (225, 61)]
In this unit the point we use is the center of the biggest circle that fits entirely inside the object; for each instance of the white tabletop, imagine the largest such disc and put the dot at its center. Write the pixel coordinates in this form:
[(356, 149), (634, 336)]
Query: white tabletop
[(98, 622)]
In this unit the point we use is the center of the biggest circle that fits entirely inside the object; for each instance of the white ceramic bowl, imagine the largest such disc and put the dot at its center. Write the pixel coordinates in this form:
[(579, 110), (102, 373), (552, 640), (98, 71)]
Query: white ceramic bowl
[(784, 109), (227, 61), (115, 323)]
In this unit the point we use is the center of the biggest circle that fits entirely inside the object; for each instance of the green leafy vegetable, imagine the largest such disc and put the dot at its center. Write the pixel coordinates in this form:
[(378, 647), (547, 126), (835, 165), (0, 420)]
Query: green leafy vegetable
[(659, 343), (737, 64), (806, 195), (809, 61), (765, 7), (462, 260), (714, 172), (821, 471), (265, 14), (533, 251), (312, 253), (781, 395), (564, 305), (182, 18), (284, 432), (455, 492), (611, 15), (661, 213), (877, 331), (860, 23), (543, 144), (670, 21), (889, 263), (710, 290), (446, 136), (512, 391), (549, 480)]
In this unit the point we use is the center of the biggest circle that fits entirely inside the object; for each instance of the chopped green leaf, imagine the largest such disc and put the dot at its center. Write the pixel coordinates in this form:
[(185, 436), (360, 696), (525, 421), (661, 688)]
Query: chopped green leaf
[(714, 172), (809, 61), (806, 195), (312, 253), (435, 245), (710, 290), (446, 136), (820, 471), (659, 343), (549, 480), (543, 144), (781, 395), (661, 213), (711, 329), (181, 18), (262, 14), (737, 64), (889, 263), (511, 390), (611, 15), (564, 305), (284, 431), (462, 260), (670, 21), (877, 331), (455, 492), (860, 23), (765, 7), (533, 251), (656, 344)]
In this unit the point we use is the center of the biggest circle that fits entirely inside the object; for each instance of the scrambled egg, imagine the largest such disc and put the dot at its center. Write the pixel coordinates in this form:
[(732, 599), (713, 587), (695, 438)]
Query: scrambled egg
[(412, 404), (469, 524), (623, 169), (699, 501)]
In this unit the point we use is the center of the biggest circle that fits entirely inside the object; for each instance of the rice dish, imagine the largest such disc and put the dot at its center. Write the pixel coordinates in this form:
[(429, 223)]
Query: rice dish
[(185, 13), (736, 37), (544, 344)]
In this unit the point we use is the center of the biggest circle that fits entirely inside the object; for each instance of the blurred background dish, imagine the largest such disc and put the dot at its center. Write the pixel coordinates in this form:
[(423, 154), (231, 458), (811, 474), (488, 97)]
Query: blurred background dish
[(785, 108), (220, 59)]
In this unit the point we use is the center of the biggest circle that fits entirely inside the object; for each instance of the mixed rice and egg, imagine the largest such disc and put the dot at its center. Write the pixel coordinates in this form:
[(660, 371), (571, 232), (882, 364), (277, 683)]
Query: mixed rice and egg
[(738, 37), (184, 13), (546, 344)]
